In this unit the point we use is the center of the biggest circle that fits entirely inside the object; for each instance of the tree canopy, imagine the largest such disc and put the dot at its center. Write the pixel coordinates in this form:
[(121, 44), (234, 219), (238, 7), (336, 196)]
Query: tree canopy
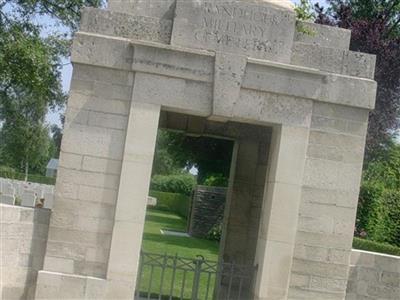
[(375, 26), (31, 56), (176, 151)]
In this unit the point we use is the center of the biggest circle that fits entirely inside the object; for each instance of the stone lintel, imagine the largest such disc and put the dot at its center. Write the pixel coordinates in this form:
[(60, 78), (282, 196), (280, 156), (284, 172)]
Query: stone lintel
[(172, 62)]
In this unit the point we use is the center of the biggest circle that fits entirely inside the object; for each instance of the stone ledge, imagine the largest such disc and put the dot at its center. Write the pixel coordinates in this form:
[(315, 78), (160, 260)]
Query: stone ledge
[(125, 25), (261, 75), (322, 35)]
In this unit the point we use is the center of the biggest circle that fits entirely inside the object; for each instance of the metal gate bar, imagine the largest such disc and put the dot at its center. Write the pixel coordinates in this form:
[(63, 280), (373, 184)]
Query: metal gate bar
[(166, 277)]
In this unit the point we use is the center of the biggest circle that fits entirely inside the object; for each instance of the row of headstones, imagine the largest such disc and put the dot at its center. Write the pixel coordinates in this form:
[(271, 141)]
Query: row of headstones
[(28, 194)]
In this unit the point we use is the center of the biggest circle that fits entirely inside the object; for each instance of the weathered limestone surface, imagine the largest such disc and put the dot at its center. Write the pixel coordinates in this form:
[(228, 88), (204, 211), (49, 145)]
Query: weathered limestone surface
[(258, 30), (373, 276), (329, 201), (23, 243), (296, 106)]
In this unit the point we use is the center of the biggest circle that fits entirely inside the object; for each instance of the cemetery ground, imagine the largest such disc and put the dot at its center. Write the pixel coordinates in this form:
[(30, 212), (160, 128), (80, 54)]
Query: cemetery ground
[(184, 247)]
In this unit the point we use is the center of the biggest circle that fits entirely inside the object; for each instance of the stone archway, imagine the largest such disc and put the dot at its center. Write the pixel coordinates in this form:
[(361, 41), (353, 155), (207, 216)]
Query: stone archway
[(238, 62)]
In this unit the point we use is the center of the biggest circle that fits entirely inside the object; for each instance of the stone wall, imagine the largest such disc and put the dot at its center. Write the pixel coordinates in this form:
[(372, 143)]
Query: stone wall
[(207, 209), (373, 276), (23, 242)]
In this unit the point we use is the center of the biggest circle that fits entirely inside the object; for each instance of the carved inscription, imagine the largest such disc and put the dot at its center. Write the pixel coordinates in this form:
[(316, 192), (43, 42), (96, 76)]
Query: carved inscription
[(245, 27)]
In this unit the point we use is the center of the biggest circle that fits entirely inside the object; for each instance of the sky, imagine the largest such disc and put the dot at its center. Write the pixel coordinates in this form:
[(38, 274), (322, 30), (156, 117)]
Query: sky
[(66, 73)]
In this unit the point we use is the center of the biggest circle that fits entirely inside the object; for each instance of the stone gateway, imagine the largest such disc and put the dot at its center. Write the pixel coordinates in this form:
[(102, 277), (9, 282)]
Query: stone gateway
[(295, 102)]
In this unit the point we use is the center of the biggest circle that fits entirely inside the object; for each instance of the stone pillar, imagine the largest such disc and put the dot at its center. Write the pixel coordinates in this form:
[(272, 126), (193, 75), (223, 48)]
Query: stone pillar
[(132, 200), (279, 214), (101, 193), (328, 207)]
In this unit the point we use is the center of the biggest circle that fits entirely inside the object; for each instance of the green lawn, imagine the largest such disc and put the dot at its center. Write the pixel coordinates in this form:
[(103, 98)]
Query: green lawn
[(155, 242), (187, 247)]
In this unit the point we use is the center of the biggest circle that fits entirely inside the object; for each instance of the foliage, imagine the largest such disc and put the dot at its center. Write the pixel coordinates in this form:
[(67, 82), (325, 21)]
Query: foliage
[(215, 232), (372, 246), (181, 183), (379, 205), (176, 151), (173, 202), (167, 159), (304, 11), (370, 192), (385, 227), (375, 27), (7, 172), (25, 144), (57, 135), (30, 79), (216, 180)]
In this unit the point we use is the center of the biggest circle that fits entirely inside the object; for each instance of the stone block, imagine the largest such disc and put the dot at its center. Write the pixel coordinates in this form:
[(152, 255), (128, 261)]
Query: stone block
[(93, 141), (322, 35), (70, 161), (123, 259), (97, 194), (190, 64), (228, 75), (101, 165), (299, 280), (158, 9), (95, 50), (340, 112), (312, 253), (273, 108), (103, 75), (89, 102), (109, 181), (317, 57), (107, 120), (236, 27), (95, 288), (121, 24), (174, 93), (281, 225), (9, 213), (79, 237), (59, 264), (321, 269), (359, 64)]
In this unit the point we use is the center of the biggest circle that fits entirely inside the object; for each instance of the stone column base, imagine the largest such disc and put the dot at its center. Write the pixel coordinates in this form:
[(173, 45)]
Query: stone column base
[(52, 285)]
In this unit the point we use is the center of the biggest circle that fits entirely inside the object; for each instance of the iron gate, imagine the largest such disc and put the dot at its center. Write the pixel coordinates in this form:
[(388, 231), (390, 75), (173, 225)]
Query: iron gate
[(166, 277)]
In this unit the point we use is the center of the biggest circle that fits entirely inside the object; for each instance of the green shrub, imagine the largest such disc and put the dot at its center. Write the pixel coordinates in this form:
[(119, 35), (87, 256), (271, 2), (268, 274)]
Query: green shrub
[(370, 193), (372, 246), (215, 232), (216, 180), (7, 172), (177, 203), (10, 173), (385, 226), (181, 183)]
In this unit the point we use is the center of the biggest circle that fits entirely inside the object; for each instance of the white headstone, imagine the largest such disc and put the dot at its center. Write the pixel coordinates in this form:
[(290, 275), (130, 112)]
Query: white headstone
[(28, 198), (48, 200), (151, 201), (8, 189), (7, 199)]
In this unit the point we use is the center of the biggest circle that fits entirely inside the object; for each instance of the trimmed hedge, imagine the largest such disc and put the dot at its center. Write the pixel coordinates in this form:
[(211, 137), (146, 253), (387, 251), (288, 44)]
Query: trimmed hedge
[(384, 227), (367, 245), (180, 183), (172, 202)]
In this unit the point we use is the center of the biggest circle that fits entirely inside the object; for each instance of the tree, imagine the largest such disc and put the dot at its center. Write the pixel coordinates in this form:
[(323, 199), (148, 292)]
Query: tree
[(379, 205), (176, 151), (375, 26), (30, 82)]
